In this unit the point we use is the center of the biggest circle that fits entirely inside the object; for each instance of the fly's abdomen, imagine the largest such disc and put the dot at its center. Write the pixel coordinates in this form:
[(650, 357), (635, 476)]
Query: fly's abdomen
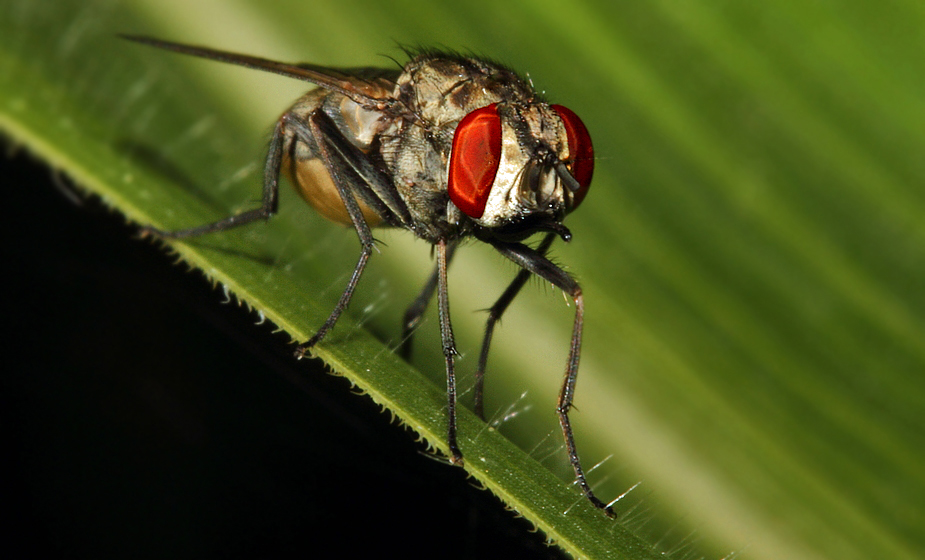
[(313, 183), (304, 167)]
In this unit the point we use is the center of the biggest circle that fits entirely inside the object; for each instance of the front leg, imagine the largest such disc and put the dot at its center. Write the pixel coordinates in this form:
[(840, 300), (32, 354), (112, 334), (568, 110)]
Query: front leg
[(535, 262)]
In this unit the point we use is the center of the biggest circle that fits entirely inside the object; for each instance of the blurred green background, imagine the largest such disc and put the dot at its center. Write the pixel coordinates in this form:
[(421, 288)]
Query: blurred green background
[(751, 250)]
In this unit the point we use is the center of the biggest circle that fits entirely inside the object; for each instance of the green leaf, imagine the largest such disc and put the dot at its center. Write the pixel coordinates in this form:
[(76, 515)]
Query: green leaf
[(751, 252)]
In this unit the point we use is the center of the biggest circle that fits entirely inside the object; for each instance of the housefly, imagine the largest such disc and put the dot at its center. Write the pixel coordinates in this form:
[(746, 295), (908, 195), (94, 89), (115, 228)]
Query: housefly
[(448, 147)]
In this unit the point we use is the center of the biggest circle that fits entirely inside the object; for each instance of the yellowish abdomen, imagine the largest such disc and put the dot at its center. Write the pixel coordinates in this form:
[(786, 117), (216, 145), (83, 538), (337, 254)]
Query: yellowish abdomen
[(313, 183)]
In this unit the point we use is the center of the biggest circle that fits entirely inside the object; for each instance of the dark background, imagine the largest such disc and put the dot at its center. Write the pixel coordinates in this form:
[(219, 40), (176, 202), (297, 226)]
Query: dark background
[(147, 419)]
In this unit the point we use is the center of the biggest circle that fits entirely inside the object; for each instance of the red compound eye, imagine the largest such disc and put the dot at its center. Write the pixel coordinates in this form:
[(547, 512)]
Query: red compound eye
[(474, 159), (581, 153)]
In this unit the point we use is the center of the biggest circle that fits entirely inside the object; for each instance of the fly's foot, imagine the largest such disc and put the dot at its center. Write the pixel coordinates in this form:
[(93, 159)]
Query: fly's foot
[(606, 508), (148, 232), (304, 350), (456, 457)]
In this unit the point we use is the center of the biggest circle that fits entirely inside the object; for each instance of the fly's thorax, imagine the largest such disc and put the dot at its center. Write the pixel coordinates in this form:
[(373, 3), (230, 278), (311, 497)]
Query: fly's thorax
[(441, 89), (418, 169)]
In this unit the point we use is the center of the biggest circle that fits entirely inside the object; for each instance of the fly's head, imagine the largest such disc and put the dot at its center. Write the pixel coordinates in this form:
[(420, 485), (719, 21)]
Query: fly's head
[(516, 168)]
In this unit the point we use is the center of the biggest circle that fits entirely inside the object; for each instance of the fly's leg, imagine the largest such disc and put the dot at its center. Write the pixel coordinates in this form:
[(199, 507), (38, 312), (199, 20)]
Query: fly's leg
[(417, 308), (449, 350), (534, 262), (494, 315), (354, 176), (267, 208)]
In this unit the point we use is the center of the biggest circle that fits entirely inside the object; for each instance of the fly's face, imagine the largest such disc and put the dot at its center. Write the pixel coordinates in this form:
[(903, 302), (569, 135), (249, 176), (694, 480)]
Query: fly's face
[(519, 165)]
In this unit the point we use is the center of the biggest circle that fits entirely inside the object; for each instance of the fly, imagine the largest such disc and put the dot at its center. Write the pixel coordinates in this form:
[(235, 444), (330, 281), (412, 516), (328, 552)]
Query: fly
[(448, 147)]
